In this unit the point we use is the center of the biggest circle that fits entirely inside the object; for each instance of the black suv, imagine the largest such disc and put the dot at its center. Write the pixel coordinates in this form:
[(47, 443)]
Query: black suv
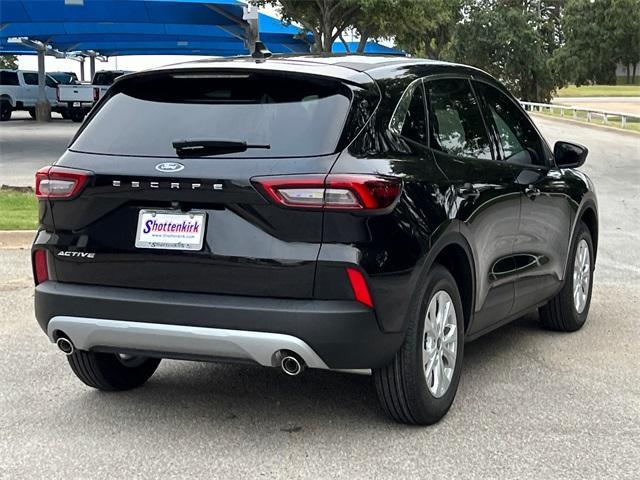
[(352, 213)]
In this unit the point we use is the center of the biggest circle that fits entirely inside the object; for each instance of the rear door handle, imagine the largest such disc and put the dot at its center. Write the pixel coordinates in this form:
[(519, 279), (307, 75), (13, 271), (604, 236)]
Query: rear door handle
[(531, 192), (468, 191)]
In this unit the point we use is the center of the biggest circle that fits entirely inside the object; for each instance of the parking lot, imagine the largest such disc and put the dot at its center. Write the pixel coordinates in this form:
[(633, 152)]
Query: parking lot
[(531, 403)]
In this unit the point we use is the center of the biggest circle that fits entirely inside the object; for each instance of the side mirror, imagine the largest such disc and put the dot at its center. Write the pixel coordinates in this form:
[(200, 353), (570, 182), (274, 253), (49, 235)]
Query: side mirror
[(569, 155)]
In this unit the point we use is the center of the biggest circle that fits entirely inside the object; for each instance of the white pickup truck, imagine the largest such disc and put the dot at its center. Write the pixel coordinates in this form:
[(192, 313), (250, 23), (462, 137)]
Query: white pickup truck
[(19, 91), (103, 80), (78, 100)]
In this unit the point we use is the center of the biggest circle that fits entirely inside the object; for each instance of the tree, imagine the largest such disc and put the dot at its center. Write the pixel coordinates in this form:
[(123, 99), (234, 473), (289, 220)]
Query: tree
[(421, 26), (598, 35), (511, 39), (9, 61), (426, 27), (623, 19), (325, 19)]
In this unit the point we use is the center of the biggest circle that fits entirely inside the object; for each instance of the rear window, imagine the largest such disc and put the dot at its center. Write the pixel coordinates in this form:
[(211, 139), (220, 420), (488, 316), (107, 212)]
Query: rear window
[(295, 115), (106, 78), (64, 78)]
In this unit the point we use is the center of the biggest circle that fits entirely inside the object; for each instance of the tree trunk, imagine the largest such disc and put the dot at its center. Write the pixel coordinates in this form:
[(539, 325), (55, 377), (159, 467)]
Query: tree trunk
[(633, 77), (327, 39), (344, 42), (364, 37), (629, 74)]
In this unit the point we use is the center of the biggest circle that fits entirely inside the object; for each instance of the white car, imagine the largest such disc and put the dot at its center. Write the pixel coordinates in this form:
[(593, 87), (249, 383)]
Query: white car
[(19, 91)]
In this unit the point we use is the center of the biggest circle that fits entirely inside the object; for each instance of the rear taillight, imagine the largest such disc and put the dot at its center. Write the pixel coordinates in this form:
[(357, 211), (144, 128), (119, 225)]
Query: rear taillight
[(60, 182), (96, 94), (58, 93), (40, 266), (359, 287), (332, 192)]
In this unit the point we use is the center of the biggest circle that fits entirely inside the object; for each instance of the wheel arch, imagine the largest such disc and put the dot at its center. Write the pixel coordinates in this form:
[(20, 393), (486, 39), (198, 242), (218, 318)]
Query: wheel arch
[(589, 217), (7, 98), (587, 213), (453, 252)]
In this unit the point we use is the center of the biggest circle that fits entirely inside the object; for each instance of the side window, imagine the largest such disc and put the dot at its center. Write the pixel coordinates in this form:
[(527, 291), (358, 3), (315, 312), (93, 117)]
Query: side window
[(9, 78), (30, 78), (521, 143), (456, 121), (410, 118)]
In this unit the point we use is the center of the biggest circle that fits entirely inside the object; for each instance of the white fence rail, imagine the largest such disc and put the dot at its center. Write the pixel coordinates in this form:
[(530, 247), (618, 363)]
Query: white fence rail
[(607, 116)]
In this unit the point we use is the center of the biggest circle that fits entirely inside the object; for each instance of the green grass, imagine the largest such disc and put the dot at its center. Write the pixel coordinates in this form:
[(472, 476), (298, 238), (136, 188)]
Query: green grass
[(612, 121), (600, 91), (18, 210), (622, 80)]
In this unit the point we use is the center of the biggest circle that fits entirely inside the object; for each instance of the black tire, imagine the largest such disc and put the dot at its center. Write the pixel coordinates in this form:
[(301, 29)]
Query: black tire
[(32, 113), (107, 371), (560, 313), (5, 111), (402, 385), (76, 116)]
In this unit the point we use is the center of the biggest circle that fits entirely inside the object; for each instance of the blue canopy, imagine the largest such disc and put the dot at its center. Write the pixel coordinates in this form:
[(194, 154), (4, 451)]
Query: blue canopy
[(141, 27), (370, 47)]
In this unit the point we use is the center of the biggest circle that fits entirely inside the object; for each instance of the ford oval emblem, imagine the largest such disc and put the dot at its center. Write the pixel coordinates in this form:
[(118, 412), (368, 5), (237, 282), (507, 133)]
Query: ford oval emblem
[(169, 167)]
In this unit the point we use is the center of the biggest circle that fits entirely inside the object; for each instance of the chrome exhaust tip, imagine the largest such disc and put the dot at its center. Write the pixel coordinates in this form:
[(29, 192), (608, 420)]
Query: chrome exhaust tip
[(291, 365), (65, 345)]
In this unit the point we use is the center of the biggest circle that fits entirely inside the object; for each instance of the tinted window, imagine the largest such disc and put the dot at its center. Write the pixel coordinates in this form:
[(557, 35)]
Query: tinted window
[(520, 141), (409, 119), (9, 78), (106, 78), (295, 115), (30, 78), (64, 78), (455, 120)]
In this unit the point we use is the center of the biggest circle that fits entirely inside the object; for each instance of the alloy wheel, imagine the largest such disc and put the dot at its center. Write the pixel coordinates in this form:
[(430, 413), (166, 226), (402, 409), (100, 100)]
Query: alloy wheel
[(581, 276), (440, 343)]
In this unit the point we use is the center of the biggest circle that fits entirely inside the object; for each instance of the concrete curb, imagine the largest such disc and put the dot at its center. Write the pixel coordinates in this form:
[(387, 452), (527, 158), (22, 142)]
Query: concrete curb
[(631, 133), (16, 239)]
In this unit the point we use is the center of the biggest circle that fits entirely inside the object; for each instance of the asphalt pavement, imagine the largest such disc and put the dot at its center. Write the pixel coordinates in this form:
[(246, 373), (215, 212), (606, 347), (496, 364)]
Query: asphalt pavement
[(26, 145), (532, 404)]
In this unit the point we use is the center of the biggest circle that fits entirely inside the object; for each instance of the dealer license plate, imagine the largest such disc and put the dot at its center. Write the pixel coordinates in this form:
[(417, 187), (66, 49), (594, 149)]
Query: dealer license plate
[(170, 230)]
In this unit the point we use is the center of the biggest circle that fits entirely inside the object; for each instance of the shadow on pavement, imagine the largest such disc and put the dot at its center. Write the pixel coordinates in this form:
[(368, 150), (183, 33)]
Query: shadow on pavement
[(207, 393)]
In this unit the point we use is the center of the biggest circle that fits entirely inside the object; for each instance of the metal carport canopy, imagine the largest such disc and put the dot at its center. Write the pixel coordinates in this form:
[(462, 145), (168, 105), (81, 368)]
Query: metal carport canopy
[(136, 27), (142, 27)]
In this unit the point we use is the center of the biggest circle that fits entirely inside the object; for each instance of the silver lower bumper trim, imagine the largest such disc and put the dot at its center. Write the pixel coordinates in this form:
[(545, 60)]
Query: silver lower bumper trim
[(260, 347)]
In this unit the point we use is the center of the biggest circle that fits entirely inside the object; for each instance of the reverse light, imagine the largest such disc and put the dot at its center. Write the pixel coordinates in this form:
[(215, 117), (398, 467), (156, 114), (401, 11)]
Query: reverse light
[(60, 182), (359, 287), (332, 192), (40, 266)]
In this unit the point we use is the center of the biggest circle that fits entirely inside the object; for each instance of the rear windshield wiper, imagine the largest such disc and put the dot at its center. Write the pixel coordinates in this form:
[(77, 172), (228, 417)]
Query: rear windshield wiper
[(196, 148)]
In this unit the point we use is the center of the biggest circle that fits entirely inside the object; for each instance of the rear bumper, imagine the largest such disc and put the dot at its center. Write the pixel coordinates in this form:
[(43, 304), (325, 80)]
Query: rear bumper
[(325, 333)]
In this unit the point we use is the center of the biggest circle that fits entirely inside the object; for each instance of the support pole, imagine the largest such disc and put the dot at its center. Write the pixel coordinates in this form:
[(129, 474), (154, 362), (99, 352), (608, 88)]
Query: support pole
[(43, 108), (252, 29), (82, 69), (92, 66)]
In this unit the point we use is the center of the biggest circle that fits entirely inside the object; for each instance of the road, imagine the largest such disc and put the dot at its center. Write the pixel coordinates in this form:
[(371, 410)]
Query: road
[(532, 404)]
